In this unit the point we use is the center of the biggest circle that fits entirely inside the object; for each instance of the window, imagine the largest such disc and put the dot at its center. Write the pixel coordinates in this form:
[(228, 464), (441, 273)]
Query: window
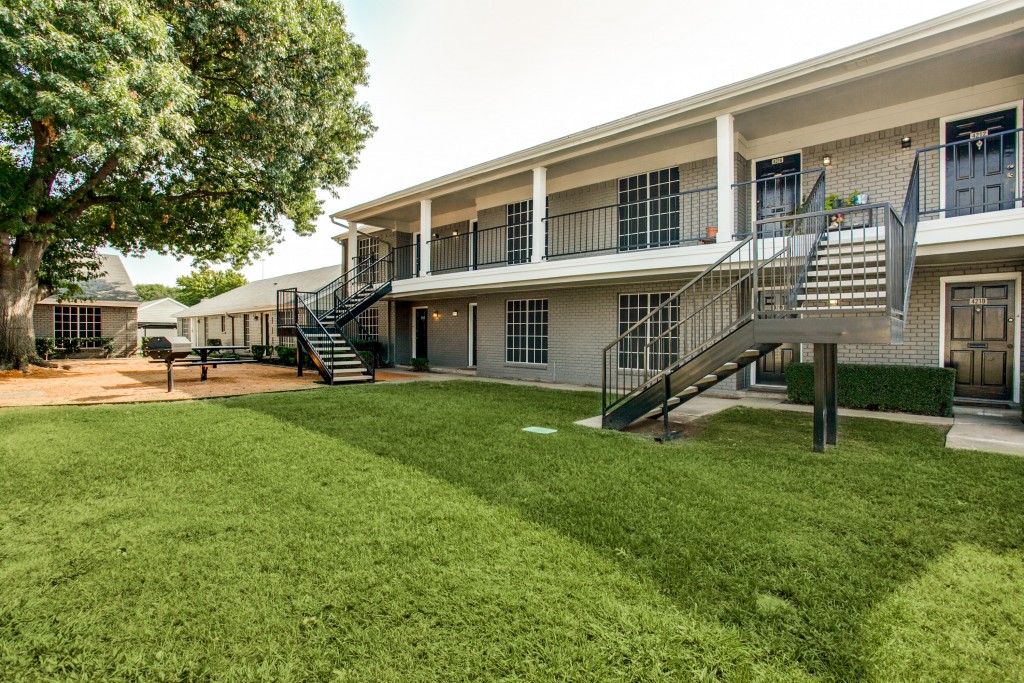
[(369, 322), (519, 230), (526, 331), (654, 344), (649, 210), (223, 324), (206, 330), (366, 249), (245, 329), (186, 328), (77, 321)]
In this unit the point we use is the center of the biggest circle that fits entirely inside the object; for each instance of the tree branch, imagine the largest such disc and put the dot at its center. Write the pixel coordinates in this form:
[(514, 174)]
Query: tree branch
[(87, 187)]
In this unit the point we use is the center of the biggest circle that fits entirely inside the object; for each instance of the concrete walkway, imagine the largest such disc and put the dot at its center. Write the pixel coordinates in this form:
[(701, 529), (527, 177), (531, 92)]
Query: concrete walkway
[(974, 429)]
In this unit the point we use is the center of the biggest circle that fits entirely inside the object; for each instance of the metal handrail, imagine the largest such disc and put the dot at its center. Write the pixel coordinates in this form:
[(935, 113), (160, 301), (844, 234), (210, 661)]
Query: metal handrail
[(639, 201)]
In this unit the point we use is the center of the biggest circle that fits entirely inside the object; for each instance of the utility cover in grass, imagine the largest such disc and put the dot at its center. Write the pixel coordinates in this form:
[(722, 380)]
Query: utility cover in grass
[(539, 430)]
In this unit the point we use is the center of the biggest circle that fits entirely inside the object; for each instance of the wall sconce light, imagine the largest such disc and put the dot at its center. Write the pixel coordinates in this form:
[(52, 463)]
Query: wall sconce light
[(436, 315), (455, 233), (905, 142), (455, 314), (826, 160)]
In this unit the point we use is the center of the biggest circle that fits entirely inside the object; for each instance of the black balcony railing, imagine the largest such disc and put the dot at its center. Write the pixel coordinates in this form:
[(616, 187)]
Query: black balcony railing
[(780, 196), (406, 261), (501, 245), (685, 218), (976, 175)]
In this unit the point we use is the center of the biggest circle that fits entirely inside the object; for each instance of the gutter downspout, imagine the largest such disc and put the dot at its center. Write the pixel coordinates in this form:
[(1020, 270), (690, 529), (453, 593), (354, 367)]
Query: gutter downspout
[(232, 328)]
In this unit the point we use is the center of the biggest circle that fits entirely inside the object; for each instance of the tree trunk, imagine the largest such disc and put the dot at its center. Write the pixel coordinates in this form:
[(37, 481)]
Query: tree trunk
[(19, 289)]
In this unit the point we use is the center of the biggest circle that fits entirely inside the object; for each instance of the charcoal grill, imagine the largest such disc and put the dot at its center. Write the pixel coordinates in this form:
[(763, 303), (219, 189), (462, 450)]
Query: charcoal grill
[(169, 349)]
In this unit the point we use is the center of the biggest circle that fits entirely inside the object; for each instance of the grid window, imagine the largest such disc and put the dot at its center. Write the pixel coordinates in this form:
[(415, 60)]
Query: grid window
[(526, 331), (655, 343), (223, 324), (369, 323), (519, 230), (245, 329), (186, 328), (649, 210), (77, 322), (206, 330)]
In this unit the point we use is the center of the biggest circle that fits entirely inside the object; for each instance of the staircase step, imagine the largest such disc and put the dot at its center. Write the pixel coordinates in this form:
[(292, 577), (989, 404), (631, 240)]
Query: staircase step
[(708, 379), (727, 367), (840, 271), (350, 378), (845, 283), (750, 353), (841, 296), (857, 308)]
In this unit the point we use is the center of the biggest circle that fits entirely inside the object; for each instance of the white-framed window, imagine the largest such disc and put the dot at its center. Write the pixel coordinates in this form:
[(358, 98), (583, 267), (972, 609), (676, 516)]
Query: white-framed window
[(77, 322), (186, 328), (526, 331), (519, 231), (245, 329), (223, 324), (653, 344), (206, 330), (369, 321), (649, 210)]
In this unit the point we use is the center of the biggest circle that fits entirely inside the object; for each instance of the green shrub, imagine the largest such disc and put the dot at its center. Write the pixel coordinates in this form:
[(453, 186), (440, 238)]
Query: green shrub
[(377, 348), (368, 357), (46, 347), (214, 342), (260, 350), (286, 354), (420, 364), (899, 388)]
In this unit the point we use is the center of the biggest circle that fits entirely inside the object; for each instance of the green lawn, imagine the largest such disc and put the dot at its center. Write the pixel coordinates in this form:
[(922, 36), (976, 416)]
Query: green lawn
[(405, 532)]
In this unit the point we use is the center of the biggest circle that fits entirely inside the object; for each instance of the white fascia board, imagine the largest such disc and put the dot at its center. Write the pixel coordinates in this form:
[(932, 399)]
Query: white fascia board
[(998, 229), (650, 263), (849, 57)]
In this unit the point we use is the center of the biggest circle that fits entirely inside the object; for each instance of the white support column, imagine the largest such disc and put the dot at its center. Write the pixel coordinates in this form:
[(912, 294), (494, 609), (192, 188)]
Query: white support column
[(352, 249), (540, 204), (426, 229), (726, 177)]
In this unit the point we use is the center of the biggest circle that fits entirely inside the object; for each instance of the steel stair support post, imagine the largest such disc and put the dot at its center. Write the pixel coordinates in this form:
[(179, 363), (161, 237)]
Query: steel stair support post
[(820, 374), (831, 393)]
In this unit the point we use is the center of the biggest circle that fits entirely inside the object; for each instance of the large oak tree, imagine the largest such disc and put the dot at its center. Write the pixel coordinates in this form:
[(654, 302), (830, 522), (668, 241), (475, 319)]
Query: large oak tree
[(191, 127)]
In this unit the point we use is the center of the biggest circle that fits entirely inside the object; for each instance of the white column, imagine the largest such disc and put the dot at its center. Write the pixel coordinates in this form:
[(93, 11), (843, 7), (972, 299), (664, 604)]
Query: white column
[(425, 233), (353, 246), (726, 177), (540, 204)]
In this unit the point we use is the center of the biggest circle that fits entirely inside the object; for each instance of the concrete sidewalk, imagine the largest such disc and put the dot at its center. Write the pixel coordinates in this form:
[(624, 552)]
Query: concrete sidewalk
[(976, 429)]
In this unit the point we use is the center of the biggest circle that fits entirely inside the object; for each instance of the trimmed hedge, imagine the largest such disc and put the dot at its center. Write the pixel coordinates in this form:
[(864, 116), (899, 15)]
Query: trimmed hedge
[(899, 388)]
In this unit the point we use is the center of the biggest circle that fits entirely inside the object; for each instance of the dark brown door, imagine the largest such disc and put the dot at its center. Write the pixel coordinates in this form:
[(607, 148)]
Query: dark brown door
[(979, 338), (980, 166), (421, 333), (771, 367), (778, 190)]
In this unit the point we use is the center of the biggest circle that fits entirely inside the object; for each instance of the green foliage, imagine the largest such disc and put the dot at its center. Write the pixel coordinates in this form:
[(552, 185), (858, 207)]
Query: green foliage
[(157, 291), (46, 347), (259, 351), (206, 283), (900, 388), (69, 346), (833, 200), (197, 129), (420, 364), (213, 341), (286, 354), (375, 349)]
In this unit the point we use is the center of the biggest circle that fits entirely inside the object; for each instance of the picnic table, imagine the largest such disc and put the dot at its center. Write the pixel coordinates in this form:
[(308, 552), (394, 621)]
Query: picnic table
[(205, 362)]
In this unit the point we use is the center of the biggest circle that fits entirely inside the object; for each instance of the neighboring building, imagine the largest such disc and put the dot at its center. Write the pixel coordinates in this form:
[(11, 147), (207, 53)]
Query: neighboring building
[(563, 262), (156, 318), (247, 315), (107, 307)]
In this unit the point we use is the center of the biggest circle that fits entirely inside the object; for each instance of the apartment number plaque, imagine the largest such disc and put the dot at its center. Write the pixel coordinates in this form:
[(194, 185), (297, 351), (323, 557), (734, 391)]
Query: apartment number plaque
[(979, 301)]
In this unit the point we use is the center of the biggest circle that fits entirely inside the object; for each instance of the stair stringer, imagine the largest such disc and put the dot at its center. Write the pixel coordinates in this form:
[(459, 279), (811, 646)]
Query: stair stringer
[(345, 315), (729, 349)]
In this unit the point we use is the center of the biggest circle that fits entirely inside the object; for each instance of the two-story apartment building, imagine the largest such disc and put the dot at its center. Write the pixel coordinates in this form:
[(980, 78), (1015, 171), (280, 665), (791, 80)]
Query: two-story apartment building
[(873, 193)]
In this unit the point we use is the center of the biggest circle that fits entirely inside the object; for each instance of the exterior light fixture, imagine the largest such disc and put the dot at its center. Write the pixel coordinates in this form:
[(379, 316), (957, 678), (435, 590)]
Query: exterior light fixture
[(826, 160), (455, 233), (455, 314), (436, 315), (905, 142)]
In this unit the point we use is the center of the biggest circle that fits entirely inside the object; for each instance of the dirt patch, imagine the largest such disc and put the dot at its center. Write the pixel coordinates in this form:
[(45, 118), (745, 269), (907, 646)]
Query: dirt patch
[(132, 380), (656, 428)]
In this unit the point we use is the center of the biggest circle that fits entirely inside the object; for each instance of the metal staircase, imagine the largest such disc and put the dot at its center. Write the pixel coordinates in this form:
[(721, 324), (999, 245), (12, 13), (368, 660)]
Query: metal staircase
[(825, 277), (318, 320)]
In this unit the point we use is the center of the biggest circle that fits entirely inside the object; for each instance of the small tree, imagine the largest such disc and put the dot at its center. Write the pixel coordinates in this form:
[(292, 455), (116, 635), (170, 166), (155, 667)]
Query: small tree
[(206, 282), (190, 128), (154, 292)]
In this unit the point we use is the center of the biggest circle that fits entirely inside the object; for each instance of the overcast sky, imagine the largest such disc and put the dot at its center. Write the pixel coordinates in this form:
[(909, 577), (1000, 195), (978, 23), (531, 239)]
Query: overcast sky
[(458, 82)]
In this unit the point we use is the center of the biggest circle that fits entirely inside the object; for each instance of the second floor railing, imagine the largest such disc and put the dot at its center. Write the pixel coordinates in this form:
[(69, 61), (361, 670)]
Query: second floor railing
[(975, 175), (406, 261), (767, 202), (482, 248), (688, 217)]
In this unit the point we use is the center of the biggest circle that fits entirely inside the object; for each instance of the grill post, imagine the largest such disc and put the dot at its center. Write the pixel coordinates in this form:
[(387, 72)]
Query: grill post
[(170, 375)]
